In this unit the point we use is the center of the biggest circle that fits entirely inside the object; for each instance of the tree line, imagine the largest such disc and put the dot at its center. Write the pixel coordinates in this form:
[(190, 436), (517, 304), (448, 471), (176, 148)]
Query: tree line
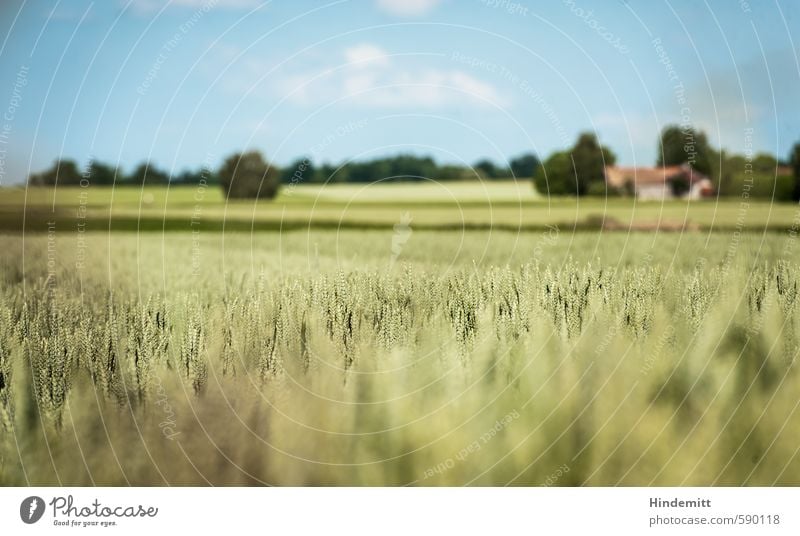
[(66, 172), (577, 171), (250, 174), (580, 169)]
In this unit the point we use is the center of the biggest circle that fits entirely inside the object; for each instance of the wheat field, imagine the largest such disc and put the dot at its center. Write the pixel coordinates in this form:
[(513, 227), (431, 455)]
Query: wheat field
[(399, 357)]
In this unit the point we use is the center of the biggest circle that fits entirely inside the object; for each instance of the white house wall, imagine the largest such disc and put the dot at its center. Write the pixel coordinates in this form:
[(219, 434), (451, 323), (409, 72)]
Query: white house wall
[(654, 192)]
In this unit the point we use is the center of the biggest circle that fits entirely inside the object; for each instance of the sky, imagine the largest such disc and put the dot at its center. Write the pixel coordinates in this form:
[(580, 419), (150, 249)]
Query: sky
[(188, 82)]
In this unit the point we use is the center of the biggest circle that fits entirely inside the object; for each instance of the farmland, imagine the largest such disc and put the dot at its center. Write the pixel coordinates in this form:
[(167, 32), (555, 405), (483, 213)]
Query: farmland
[(505, 205), (402, 347)]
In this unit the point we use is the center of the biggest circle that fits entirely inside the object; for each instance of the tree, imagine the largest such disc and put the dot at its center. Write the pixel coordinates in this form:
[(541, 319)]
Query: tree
[(354, 172), (147, 173), (329, 173), (100, 173), (249, 175), (795, 161), (685, 145), (453, 172), (729, 173), (765, 164), (556, 175), (590, 160), (486, 168), (524, 165), (578, 171), (413, 167), (202, 175), (300, 171), (63, 172)]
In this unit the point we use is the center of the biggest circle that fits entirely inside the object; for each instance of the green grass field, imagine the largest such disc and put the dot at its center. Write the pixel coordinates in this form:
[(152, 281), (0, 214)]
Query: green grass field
[(469, 205), (405, 351)]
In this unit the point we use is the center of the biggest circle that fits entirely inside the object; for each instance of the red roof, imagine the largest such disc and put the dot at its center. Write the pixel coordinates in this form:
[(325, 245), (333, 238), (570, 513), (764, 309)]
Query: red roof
[(619, 176)]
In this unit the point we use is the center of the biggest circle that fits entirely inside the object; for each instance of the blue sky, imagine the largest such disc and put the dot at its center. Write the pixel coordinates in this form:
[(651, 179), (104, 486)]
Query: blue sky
[(191, 81)]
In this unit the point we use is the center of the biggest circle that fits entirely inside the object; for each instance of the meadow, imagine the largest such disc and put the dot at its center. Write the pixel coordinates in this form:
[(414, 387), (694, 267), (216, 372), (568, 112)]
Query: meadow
[(398, 354), (497, 204)]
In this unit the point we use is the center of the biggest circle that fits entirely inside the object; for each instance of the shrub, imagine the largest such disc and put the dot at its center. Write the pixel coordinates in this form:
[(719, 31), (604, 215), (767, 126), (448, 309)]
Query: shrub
[(249, 175)]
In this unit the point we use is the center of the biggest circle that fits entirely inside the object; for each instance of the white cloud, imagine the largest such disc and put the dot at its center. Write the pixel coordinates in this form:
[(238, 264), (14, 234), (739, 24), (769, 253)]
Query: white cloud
[(407, 8), (366, 53), (388, 85), (368, 76), (374, 79), (430, 88), (472, 85)]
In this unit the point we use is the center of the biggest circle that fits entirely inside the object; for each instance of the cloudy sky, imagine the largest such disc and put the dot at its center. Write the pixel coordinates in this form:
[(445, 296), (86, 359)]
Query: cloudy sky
[(190, 81)]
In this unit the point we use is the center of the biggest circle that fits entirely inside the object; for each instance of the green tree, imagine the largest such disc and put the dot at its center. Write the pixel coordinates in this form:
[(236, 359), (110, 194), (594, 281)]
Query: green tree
[(100, 173), (524, 165), (300, 171), (729, 175), (249, 175), (202, 175), (795, 161), (63, 172), (453, 172), (413, 167), (403, 167), (577, 171), (364, 171), (590, 160), (329, 173), (765, 164), (488, 169), (685, 145), (147, 173), (556, 175)]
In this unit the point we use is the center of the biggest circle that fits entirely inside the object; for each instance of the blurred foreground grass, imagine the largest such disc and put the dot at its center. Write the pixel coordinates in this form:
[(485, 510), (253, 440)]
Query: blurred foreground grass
[(329, 357)]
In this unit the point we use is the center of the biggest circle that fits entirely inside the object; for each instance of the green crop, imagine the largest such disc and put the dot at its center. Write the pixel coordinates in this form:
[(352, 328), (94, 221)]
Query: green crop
[(261, 370)]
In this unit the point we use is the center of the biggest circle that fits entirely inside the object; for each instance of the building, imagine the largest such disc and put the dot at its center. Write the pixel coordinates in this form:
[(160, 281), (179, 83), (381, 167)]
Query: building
[(669, 182)]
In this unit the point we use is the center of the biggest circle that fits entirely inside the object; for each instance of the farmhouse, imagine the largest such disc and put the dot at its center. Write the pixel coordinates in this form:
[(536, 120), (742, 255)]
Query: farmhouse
[(669, 182)]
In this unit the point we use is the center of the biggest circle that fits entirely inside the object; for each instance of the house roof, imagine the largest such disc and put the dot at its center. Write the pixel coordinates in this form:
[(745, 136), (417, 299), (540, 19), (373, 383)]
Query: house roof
[(618, 176)]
